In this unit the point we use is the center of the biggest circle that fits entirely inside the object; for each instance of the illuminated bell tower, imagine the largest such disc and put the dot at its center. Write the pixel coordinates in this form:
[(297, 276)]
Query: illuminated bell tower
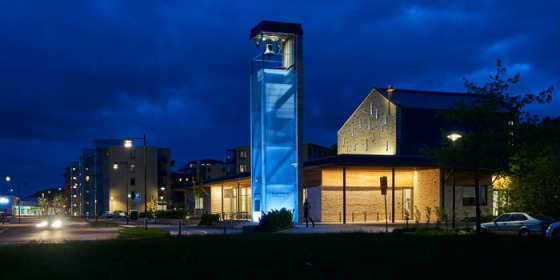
[(277, 118)]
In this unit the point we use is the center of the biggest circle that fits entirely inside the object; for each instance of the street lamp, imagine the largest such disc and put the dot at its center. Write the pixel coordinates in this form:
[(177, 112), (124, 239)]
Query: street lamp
[(116, 166), (128, 144), (454, 137)]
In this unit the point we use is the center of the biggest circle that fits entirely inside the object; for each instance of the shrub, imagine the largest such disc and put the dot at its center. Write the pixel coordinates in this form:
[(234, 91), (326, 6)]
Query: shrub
[(417, 215), (174, 214), (428, 214), (275, 220), (207, 219)]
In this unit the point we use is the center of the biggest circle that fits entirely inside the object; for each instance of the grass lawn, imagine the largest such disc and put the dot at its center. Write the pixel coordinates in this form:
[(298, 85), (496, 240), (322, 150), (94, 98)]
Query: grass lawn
[(288, 256)]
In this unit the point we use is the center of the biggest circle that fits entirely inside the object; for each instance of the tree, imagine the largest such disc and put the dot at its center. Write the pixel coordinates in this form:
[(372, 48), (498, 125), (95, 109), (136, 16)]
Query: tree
[(44, 202), (492, 118), (534, 184), (152, 206)]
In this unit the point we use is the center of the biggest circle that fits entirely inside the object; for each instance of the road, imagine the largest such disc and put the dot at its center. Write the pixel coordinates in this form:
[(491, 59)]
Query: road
[(77, 229)]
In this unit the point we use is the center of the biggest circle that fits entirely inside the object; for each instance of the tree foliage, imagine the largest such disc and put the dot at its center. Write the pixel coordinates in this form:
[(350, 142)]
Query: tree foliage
[(534, 179), (491, 119)]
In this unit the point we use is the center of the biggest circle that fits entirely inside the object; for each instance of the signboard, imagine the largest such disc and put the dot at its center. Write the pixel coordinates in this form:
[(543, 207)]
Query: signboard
[(383, 185), (137, 197)]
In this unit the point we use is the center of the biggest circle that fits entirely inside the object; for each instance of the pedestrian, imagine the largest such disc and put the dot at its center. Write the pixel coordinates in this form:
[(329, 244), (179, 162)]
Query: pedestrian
[(306, 214)]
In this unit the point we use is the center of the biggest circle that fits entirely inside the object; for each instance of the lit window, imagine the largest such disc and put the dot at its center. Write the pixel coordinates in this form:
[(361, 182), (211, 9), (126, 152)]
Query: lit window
[(243, 154), (132, 168), (180, 179), (469, 195), (371, 108), (242, 168), (376, 113), (199, 203)]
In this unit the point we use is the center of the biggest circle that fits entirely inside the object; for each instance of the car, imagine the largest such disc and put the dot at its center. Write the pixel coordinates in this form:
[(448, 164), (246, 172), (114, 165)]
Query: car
[(107, 215), (50, 222), (520, 223), (119, 214), (553, 230)]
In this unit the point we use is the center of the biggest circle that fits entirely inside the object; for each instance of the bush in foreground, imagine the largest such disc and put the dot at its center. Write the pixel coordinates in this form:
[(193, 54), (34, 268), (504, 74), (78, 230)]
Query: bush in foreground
[(275, 220), (208, 219)]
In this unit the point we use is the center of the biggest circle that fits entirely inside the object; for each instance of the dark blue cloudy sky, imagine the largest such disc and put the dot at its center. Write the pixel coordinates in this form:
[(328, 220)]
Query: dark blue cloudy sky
[(178, 71)]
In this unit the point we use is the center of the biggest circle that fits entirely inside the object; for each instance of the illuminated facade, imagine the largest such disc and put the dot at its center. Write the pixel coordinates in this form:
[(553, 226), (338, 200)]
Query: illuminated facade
[(276, 118)]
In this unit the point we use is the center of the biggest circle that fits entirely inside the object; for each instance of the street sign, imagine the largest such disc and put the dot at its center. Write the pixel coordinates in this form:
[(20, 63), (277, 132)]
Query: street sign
[(137, 197), (383, 181)]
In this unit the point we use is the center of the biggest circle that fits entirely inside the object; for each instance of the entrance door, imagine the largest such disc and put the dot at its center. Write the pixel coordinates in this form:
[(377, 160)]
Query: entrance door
[(407, 203)]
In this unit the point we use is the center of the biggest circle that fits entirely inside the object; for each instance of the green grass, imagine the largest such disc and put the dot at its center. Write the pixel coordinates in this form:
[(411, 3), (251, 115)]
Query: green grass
[(287, 256), (104, 223), (142, 232)]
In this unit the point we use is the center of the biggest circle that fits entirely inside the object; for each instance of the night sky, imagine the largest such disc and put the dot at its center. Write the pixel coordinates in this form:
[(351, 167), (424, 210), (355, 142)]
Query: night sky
[(178, 71)]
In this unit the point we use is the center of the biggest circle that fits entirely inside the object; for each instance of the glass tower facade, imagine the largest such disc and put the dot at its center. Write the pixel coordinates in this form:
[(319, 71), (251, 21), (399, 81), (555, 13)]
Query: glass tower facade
[(275, 126)]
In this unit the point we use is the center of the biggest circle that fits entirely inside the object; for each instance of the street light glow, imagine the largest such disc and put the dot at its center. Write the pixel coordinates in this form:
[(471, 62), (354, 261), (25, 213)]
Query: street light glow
[(8, 178), (128, 143), (115, 166), (454, 136)]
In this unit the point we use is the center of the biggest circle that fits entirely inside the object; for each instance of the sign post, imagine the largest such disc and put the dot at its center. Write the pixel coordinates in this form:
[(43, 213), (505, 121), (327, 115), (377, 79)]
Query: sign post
[(383, 185)]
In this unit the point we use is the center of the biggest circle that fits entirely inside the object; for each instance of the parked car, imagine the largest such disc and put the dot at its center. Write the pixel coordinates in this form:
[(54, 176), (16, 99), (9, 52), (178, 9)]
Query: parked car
[(119, 214), (520, 223), (553, 230), (107, 215), (50, 222)]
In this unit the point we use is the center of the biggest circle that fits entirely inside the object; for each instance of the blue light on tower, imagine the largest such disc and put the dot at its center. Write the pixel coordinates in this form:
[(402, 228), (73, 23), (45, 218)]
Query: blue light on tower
[(276, 118)]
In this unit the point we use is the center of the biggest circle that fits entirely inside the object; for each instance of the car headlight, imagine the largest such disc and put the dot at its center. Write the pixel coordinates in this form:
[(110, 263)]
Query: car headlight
[(42, 224), (57, 224)]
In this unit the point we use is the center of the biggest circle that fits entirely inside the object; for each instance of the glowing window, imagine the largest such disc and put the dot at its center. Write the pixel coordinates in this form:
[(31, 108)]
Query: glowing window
[(371, 108), (376, 113), (132, 168), (243, 168)]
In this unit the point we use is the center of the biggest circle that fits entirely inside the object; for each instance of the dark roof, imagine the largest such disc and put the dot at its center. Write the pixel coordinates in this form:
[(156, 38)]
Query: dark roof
[(276, 27), (231, 177), (369, 160), (423, 99)]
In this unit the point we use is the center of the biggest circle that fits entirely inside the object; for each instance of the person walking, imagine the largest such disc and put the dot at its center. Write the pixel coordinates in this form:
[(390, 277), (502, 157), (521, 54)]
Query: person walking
[(307, 214)]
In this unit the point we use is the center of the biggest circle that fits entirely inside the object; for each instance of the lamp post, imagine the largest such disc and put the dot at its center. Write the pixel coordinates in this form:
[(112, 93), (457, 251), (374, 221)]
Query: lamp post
[(116, 166), (128, 144), (453, 137)]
